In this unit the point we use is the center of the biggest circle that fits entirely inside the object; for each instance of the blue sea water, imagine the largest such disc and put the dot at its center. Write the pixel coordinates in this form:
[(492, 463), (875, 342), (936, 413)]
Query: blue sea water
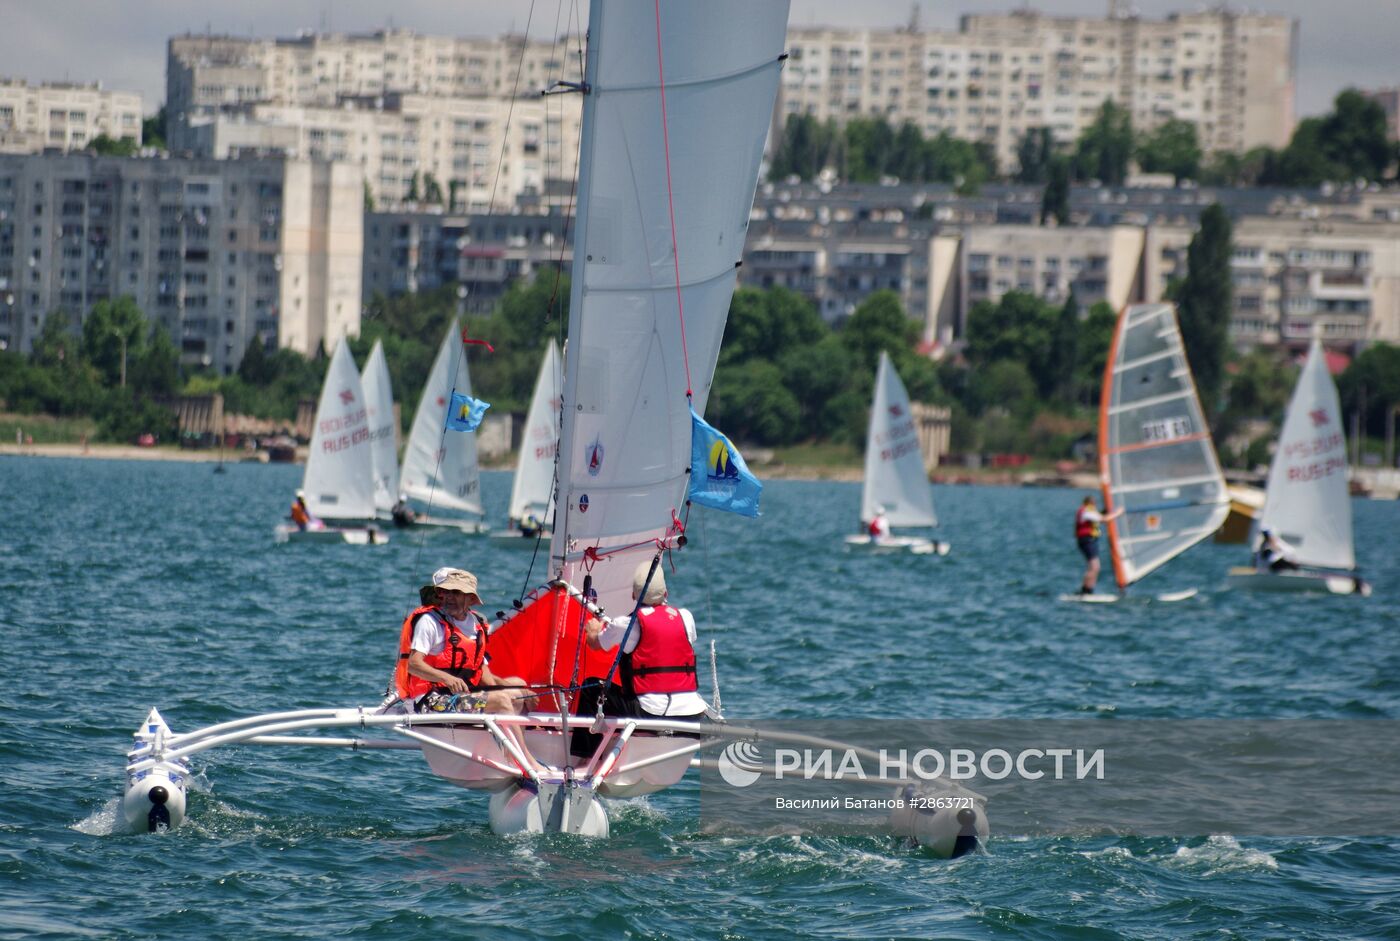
[(126, 584)]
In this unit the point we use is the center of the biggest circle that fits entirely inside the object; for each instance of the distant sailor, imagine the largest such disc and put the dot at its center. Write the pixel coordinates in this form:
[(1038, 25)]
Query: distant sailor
[(1275, 554), (879, 526), (658, 661), (402, 513), (443, 664), (530, 525), (302, 516), (1088, 525)]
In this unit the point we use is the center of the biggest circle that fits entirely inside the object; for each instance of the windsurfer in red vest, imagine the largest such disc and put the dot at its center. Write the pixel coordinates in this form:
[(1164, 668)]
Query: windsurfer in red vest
[(443, 665), (658, 658), (1088, 524)]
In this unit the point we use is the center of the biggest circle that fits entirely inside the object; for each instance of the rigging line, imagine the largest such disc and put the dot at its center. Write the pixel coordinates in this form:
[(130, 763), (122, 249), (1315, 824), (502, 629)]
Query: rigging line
[(510, 110), (670, 199)]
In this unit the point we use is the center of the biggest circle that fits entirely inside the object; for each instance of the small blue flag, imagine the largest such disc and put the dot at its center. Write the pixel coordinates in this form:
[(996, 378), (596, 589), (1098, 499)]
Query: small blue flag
[(719, 478), (464, 413)]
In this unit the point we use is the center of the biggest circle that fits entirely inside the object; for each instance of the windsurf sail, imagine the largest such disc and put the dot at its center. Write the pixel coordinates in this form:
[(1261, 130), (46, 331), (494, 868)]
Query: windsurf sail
[(895, 478), (1156, 457), (440, 471), (1307, 502), (339, 483), (532, 492), (677, 105), (383, 429)]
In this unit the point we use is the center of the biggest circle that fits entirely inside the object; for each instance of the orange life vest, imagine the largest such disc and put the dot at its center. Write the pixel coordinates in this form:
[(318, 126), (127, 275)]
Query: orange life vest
[(663, 660), (1083, 526), (460, 656), (299, 514)]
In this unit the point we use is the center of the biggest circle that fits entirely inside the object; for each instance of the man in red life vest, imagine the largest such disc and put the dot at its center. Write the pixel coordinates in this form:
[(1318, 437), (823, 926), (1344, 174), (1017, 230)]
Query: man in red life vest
[(443, 665), (658, 659), (302, 516), (1088, 523)]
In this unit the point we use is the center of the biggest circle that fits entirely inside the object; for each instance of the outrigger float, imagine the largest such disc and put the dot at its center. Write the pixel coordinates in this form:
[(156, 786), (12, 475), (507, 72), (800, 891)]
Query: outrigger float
[(677, 101)]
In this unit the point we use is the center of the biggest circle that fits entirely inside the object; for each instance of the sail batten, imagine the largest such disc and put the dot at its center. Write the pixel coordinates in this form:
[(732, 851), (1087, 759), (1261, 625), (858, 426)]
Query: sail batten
[(1156, 457), (1306, 497)]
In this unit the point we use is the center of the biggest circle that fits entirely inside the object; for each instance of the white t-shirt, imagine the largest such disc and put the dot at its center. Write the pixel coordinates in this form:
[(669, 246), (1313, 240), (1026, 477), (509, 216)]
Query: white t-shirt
[(429, 637), (656, 704)]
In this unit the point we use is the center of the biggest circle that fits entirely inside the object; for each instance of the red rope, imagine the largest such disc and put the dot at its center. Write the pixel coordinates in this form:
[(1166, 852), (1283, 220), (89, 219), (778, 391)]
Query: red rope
[(670, 200)]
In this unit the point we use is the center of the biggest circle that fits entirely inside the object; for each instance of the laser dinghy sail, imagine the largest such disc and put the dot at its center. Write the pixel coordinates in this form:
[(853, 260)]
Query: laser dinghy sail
[(383, 430), (896, 484), (1156, 458), (441, 476), (338, 483), (531, 508), (1306, 502)]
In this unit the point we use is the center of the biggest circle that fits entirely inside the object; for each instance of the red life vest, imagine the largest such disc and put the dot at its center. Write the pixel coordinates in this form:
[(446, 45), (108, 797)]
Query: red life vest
[(460, 656), (1083, 526), (663, 660)]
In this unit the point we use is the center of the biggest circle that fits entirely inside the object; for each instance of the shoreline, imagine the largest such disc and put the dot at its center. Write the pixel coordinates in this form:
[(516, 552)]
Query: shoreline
[(946, 476)]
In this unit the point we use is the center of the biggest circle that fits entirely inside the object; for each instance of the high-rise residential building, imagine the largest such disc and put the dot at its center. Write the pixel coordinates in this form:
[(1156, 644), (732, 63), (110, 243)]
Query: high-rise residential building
[(998, 76), (64, 116), (220, 252), (467, 111)]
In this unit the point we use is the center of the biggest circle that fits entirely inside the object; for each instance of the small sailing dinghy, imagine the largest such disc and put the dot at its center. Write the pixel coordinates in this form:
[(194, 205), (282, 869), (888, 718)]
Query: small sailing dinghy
[(1306, 501), (383, 431), (663, 209), (896, 484), (1156, 458), (531, 509), (441, 477), (339, 481)]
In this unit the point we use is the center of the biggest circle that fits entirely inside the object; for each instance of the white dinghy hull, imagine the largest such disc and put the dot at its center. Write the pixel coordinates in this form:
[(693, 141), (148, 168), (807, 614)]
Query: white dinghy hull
[(349, 535), (1253, 579), (914, 545)]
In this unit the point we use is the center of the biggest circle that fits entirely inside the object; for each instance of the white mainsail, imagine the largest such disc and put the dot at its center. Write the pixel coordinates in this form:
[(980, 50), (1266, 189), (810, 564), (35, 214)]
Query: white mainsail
[(675, 116), (1156, 457), (339, 483), (895, 477), (1307, 502), (533, 489), (383, 430), (440, 468)]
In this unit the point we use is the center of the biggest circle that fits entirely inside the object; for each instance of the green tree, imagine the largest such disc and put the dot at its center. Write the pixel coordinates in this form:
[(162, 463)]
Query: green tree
[(1054, 201), (1355, 138), (869, 146), (156, 370), (432, 190), (1064, 350), (1105, 147), (153, 130), (1172, 148), (114, 337), (1003, 384), (879, 323), (413, 192), (767, 324), (254, 368), (1204, 304), (751, 403), (452, 187), (1034, 155), (1019, 328), (104, 146), (1095, 336), (1373, 377), (369, 197)]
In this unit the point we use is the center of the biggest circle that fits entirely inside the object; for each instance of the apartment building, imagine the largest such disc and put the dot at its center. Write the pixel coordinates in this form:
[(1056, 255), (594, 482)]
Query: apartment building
[(1231, 74), (408, 252), (466, 110), (64, 116), (483, 153), (219, 252)]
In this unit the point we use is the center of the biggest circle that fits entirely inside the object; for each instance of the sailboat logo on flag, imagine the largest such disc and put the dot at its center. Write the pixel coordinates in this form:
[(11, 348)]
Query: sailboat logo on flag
[(719, 478)]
